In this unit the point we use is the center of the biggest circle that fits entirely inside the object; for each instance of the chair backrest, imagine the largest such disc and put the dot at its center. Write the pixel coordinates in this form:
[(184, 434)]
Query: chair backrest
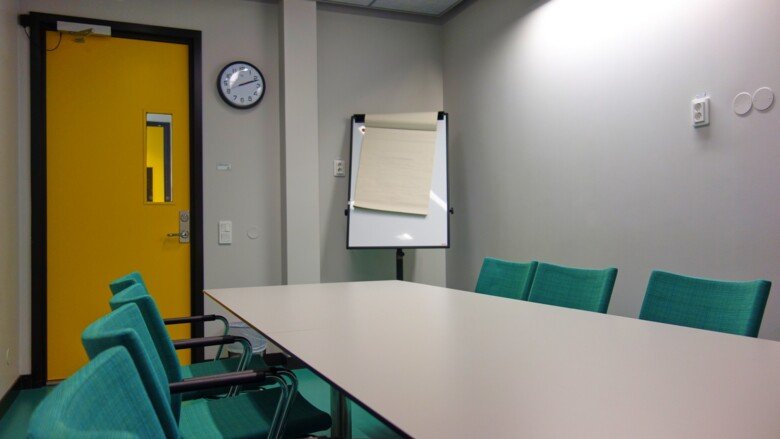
[(120, 284), (105, 398), (578, 288), (126, 328), (138, 295), (506, 278), (724, 306)]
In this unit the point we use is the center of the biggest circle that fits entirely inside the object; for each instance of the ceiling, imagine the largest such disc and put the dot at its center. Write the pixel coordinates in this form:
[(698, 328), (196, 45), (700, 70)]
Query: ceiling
[(433, 8)]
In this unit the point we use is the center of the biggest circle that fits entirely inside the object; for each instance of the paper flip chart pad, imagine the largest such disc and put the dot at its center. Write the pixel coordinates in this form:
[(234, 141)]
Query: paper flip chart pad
[(404, 121), (396, 163)]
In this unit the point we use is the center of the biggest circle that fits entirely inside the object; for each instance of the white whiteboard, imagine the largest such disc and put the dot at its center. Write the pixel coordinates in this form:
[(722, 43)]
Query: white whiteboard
[(378, 229)]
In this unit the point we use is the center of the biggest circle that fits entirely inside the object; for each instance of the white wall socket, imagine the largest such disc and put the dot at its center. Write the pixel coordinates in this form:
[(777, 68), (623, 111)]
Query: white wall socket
[(700, 112), (338, 168)]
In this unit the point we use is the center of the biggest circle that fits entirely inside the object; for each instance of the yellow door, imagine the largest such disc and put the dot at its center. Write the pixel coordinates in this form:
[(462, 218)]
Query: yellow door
[(114, 189)]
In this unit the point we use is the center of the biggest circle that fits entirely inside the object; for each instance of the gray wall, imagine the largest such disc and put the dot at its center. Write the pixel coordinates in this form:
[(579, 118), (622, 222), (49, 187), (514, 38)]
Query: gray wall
[(370, 63), (573, 142), (249, 194), (9, 340)]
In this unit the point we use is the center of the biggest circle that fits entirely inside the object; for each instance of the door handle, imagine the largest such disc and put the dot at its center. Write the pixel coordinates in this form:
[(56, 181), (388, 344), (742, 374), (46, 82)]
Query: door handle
[(184, 228)]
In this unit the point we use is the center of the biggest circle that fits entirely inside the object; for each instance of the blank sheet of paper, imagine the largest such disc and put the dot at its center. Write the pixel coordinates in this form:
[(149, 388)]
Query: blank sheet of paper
[(396, 163)]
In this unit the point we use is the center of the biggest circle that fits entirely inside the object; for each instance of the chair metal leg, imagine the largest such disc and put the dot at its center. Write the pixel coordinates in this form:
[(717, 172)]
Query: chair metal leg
[(290, 401), (340, 413), (277, 424)]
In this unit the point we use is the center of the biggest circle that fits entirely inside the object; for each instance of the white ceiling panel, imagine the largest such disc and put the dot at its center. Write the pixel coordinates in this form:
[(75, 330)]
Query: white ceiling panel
[(423, 7), (352, 2), (427, 7)]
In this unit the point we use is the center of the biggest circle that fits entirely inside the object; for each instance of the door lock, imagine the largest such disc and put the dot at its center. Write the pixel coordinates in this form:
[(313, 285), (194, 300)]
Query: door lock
[(184, 227)]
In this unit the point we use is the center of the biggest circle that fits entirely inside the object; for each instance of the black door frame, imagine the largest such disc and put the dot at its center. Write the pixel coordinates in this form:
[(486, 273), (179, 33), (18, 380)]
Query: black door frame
[(38, 24)]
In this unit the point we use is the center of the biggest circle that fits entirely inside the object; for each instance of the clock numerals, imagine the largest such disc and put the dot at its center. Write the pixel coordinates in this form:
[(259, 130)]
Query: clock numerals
[(227, 91)]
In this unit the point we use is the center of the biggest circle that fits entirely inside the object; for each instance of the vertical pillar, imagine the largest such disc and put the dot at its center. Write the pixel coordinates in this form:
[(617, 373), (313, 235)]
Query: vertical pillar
[(299, 135)]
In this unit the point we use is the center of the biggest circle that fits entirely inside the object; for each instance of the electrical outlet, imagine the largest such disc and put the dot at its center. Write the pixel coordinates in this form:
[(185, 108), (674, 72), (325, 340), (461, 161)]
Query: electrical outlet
[(338, 168), (700, 111)]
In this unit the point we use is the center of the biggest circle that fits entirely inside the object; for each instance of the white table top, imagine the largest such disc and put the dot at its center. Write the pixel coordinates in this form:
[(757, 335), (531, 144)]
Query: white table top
[(442, 363)]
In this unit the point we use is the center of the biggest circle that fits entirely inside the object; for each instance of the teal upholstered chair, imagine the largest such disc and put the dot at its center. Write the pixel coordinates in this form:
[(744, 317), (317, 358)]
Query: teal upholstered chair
[(577, 288), (506, 278), (156, 325), (105, 398), (716, 305), (166, 348), (133, 278), (125, 281), (251, 414)]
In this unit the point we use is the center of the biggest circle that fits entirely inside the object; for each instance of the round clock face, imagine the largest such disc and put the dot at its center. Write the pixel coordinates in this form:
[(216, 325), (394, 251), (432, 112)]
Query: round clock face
[(241, 84)]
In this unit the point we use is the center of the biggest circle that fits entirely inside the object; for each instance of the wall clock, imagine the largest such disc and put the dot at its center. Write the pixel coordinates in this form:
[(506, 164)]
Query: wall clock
[(241, 85)]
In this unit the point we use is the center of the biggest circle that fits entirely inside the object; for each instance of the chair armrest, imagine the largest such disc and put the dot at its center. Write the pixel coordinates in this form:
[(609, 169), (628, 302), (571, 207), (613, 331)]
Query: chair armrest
[(189, 343), (191, 319), (220, 380), (198, 319)]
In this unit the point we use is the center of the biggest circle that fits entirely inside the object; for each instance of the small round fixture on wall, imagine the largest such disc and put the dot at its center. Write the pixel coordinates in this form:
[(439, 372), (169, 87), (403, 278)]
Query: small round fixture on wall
[(763, 98), (241, 85), (742, 104)]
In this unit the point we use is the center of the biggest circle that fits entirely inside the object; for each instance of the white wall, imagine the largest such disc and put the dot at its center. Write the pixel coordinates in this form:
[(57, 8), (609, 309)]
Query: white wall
[(250, 193), (370, 63), (573, 142), (9, 322)]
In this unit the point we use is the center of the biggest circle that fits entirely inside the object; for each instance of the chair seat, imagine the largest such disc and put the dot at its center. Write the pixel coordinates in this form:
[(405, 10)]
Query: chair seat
[(246, 416), (215, 367)]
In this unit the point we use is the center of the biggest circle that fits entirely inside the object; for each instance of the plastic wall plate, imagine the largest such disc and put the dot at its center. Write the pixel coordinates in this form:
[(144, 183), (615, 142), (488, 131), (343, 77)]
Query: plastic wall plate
[(763, 98), (742, 104)]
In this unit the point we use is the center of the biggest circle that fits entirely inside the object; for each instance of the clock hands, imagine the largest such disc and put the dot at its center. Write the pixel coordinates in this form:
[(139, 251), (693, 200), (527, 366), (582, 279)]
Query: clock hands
[(248, 82)]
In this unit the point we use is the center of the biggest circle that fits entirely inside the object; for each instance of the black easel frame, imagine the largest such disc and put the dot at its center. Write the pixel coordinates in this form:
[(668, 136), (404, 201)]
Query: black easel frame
[(399, 254)]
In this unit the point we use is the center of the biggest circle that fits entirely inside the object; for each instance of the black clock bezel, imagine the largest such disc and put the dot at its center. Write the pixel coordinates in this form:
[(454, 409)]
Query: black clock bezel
[(228, 101)]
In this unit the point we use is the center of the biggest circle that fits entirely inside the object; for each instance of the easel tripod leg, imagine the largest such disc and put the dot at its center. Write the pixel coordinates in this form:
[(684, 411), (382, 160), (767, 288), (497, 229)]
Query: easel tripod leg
[(399, 264)]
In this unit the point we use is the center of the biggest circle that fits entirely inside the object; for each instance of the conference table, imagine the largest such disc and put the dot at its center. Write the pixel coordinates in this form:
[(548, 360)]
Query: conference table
[(434, 362)]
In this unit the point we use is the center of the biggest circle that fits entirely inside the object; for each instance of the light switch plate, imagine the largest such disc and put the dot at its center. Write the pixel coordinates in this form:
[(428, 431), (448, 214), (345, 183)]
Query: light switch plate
[(225, 232)]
